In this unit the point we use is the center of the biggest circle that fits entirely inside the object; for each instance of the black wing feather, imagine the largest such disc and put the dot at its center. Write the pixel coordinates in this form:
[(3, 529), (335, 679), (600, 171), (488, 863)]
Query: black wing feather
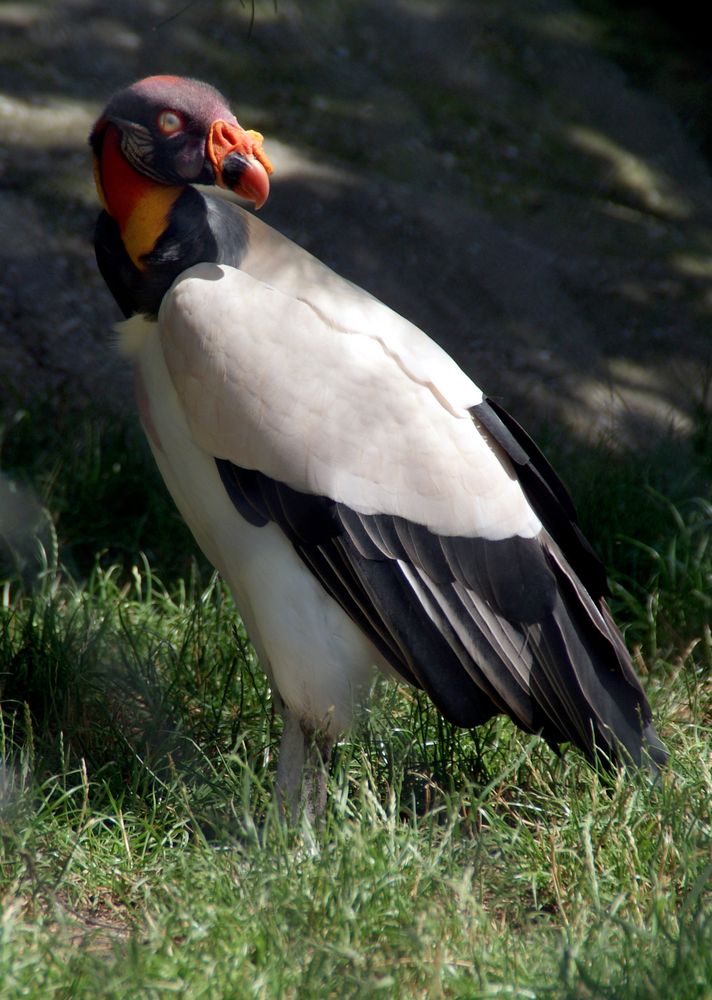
[(546, 493), (482, 626)]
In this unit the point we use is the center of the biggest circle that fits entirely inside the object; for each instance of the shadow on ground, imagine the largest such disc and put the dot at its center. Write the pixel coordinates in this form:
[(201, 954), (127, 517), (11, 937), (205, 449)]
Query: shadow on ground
[(483, 168)]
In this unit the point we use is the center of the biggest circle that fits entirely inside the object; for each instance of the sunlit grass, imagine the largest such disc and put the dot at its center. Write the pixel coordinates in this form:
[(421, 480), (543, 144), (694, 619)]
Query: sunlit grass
[(140, 853)]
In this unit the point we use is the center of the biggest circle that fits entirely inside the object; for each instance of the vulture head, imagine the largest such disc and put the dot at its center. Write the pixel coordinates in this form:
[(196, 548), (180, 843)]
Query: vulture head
[(174, 131)]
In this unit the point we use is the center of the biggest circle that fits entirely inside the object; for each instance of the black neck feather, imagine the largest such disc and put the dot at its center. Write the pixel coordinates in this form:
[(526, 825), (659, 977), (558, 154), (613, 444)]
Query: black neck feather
[(199, 230)]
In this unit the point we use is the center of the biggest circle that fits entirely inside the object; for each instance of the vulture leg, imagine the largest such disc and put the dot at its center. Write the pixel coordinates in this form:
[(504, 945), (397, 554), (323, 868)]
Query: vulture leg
[(302, 770)]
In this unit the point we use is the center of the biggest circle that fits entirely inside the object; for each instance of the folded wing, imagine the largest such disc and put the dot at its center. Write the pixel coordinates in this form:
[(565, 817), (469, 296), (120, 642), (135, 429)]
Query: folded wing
[(422, 508)]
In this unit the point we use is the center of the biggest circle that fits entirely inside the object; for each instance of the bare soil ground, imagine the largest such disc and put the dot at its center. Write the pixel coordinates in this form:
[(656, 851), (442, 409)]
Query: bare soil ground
[(482, 167)]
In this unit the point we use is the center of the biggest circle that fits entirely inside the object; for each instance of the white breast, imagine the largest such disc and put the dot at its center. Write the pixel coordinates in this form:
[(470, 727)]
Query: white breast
[(315, 656)]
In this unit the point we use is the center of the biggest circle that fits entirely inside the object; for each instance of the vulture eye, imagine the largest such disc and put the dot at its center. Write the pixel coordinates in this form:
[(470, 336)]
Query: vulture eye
[(169, 122)]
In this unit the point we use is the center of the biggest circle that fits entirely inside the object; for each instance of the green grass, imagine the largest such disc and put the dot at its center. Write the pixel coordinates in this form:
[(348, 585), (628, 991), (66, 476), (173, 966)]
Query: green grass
[(139, 850)]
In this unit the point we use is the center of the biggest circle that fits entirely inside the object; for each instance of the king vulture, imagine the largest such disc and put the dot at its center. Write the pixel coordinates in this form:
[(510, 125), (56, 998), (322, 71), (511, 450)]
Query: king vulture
[(365, 502)]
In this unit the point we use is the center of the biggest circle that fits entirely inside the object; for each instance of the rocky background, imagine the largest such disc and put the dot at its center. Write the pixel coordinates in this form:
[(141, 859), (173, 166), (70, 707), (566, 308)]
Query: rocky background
[(526, 181)]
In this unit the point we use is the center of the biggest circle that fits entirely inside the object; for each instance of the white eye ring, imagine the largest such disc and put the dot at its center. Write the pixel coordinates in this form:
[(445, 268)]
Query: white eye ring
[(169, 122)]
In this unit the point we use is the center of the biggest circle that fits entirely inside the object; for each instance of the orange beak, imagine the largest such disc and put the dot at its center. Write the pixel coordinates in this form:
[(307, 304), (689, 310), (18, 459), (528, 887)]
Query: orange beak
[(239, 162)]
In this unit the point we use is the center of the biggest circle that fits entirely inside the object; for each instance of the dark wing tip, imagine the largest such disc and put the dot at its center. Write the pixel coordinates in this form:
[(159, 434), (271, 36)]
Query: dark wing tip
[(545, 492)]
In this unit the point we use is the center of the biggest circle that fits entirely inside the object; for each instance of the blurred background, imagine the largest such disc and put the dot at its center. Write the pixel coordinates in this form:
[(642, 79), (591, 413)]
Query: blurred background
[(528, 182), (525, 181)]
